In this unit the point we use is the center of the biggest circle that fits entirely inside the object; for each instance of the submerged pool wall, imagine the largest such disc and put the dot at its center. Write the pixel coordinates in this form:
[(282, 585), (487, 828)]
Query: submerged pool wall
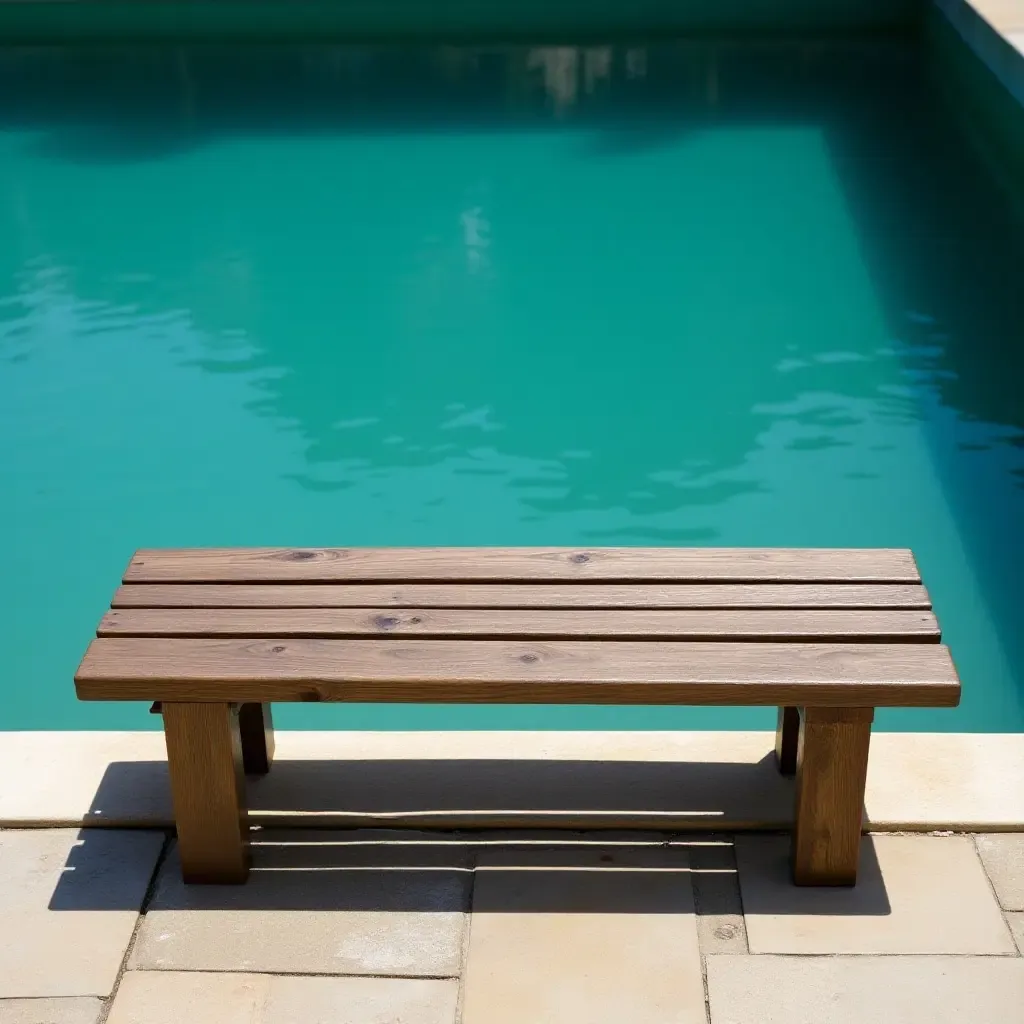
[(53, 21), (983, 82)]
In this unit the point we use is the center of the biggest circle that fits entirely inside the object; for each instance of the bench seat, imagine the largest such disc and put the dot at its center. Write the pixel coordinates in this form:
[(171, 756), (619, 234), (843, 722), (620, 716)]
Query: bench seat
[(216, 635)]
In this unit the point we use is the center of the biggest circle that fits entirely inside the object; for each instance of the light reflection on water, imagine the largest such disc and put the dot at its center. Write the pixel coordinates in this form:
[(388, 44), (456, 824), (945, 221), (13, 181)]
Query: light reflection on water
[(680, 294)]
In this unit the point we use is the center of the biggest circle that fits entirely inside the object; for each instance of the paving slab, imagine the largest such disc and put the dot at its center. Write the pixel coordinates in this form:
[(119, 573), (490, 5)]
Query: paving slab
[(316, 903), (1016, 923), (583, 935), (70, 899), (915, 894), (166, 997), (1003, 857), (856, 989), (84, 1010)]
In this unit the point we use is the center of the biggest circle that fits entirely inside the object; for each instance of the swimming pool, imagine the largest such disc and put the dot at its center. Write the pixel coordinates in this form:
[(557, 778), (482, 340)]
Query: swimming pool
[(683, 292)]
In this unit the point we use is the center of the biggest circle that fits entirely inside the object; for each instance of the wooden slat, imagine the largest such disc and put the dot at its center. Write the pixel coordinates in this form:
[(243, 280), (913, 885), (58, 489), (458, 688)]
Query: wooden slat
[(522, 595), (709, 565), (492, 671), (750, 624)]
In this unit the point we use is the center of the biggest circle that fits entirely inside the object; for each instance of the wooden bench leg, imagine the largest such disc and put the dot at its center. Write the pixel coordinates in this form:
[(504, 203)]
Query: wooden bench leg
[(787, 737), (204, 754), (832, 765), (257, 729)]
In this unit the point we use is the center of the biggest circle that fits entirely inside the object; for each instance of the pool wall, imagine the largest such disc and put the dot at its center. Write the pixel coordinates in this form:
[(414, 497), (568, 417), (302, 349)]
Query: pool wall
[(53, 21), (995, 33)]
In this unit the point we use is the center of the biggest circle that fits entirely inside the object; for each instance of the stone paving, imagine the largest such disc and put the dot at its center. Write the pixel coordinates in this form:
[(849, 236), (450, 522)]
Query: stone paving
[(382, 927)]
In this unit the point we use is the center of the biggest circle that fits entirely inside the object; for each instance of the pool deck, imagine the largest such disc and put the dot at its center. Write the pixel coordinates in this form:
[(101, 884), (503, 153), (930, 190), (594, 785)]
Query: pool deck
[(374, 926), (498, 922)]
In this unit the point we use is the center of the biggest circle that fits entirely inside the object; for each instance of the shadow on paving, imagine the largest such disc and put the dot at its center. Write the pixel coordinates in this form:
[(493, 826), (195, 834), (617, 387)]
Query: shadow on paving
[(487, 792), (402, 870)]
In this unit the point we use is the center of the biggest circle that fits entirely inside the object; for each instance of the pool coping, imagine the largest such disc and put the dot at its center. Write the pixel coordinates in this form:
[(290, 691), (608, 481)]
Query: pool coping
[(674, 781)]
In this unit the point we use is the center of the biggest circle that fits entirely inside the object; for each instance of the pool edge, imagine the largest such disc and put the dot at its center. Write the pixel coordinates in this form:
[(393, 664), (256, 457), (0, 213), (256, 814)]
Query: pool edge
[(670, 781)]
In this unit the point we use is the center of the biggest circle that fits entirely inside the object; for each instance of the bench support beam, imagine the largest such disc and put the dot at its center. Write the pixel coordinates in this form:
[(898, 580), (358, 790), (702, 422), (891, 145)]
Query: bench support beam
[(257, 730), (204, 755), (787, 739), (831, 772)]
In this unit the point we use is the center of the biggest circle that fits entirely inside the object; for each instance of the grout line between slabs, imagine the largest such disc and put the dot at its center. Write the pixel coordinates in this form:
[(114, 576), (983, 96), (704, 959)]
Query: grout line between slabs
[(995, 895), (847, 955), (294, 974), (704, 984), (739, 898), (467, 929), (140, 918)]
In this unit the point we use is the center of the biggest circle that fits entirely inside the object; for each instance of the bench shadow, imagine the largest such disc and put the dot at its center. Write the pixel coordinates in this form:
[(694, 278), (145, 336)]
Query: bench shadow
[(507, 864), (461, 793), (404, 871), (517, 793)]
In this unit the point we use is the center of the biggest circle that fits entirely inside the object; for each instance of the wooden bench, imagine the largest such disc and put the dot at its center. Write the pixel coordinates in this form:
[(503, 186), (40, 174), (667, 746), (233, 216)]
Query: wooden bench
[(215, 636)]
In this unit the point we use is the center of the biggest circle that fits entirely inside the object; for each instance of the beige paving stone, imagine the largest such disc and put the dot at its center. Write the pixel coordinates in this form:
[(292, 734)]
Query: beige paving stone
[(69, 901), (71, 778), (969, 782), (858, 989), (1003, 857), (166, 997), (915, 894), (50, 1011), (317, 903), (1016, 923), (583, 935)]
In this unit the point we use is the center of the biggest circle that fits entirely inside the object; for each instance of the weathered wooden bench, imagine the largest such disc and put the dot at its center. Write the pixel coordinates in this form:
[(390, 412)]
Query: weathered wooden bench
[(215, 636)]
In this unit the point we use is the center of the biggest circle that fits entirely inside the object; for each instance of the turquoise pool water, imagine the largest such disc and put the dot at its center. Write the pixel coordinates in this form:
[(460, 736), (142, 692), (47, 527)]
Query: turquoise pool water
[(680, 293)]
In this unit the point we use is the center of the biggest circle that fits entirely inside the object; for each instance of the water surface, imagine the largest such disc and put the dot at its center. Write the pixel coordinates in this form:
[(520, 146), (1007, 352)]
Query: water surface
[(683, 293)]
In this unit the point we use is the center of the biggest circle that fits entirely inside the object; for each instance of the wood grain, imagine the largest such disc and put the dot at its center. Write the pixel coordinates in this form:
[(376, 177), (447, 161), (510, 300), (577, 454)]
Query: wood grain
[(832, 768), (204, 757), (493, 671), (752, 624), (523, 595), (709, 565)]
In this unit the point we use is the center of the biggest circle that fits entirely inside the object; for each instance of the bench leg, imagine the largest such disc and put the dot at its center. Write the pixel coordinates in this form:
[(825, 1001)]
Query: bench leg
[(787, 737), (831, 770), (204, 755), (257, 729)]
